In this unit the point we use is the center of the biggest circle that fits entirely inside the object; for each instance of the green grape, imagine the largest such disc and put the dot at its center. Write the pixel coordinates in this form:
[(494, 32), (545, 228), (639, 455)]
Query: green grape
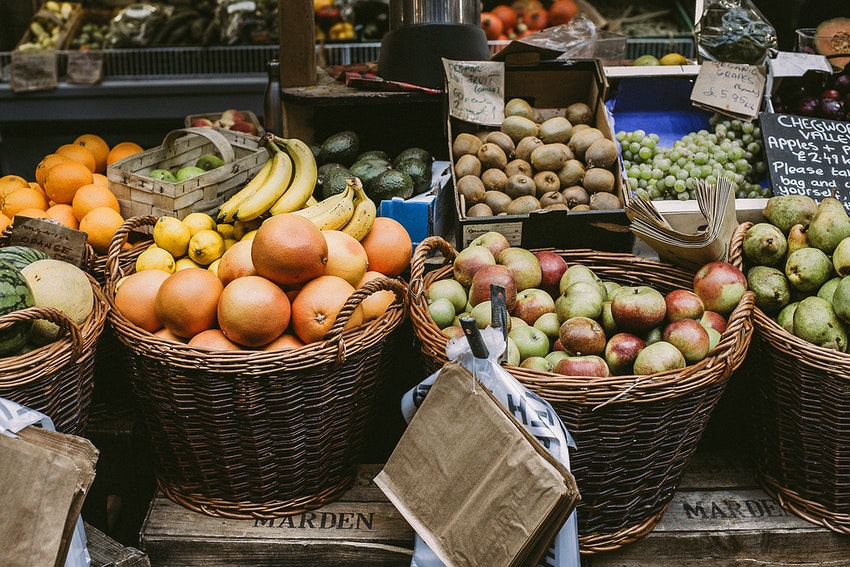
[(634, 147), (683, 196), (621, 135), (645, 152), (654, 193), (747, 127), (657, 173)]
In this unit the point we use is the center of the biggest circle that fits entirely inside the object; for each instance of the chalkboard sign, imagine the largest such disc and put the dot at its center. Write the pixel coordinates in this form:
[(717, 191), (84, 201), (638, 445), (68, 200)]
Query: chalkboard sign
[(807, 156)]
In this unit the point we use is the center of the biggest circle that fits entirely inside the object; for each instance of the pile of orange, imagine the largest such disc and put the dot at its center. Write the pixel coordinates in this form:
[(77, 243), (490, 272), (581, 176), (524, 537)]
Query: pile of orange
[(70, 188)]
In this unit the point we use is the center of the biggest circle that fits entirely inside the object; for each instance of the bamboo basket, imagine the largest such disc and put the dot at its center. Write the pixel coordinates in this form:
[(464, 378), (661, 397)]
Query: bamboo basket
[(803, 419), (634, 434), (257, 434), (56, 379)]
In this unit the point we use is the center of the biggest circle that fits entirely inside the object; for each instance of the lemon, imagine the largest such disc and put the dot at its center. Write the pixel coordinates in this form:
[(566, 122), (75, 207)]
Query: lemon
[(199, 221), (156, 259), (240, 228), (214, 266), (206, 246), (185, 262), (673, 59), (225, 230), (172, 235), (228, 242)]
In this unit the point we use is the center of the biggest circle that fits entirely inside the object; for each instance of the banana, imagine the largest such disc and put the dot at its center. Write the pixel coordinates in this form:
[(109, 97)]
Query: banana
[(310, 202), (275, 185), (303, 180), (331, 213), (364, 213), (225, 212)]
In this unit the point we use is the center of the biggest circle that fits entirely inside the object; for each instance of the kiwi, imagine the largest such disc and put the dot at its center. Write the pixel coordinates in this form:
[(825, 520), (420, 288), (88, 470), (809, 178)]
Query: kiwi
[(548, 157), (503, 141), (479, 210), (566, 148), (519, 127), (580, 141), (552, 198), (519, 107), (546, 182), (581, 208), (467, 164), (465, 143), (571, 173), (579, 113), (523, 205), (601, 153), (518, 166), (580, 127), (471, 189), (605, 202), (482, 135), (575, 195), (497, 201), (520, 185), (555, 129), (555, 207), (494, 179), (527, 145), (491, 155), (598, 180)]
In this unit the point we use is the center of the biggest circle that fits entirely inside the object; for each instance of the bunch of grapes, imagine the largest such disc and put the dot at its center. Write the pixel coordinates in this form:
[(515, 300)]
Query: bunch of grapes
[(733, 149)]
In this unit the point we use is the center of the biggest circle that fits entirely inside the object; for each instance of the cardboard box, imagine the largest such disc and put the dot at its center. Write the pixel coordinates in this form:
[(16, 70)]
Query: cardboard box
[(550, 86)]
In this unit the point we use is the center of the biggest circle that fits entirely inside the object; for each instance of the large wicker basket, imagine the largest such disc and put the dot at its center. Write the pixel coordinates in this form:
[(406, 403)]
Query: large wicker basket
[(56, 379), (634, 434), (803, 419), (248, 434)]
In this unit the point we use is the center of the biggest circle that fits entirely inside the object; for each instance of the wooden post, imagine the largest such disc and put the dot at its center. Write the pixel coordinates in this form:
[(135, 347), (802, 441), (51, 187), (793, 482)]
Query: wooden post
[(297, 44)]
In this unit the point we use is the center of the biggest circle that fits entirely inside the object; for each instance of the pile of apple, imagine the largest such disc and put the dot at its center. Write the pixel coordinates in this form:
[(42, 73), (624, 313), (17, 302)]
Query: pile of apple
[(565, 319), (230, 119)]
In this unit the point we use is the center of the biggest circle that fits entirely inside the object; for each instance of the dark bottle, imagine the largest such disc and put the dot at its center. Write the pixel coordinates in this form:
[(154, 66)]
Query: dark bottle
[(272, 119)]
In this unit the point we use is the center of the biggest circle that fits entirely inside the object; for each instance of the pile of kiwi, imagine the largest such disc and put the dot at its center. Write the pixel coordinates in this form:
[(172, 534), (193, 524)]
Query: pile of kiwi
[(531, 163)]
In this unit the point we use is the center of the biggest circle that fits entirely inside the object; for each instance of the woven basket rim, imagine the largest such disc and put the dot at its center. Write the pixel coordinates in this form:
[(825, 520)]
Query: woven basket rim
[(717, 366)]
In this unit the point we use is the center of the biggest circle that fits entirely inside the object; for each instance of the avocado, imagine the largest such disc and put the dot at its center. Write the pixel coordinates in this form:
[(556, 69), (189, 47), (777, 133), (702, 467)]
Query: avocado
[(391, 183), (418, 153), (419, 172), (368, 169), (333, 181), (374, 154), (342, 147)]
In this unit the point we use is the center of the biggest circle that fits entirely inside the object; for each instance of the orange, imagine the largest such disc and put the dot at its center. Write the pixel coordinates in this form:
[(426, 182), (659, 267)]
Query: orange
[(253, 311), (286, 340), (92, 196), (46, 163), (213, 339), (10, 183), (63, 179), (24, 198), (97, 146), (100, 225), (186, 302), (317, 306), (561, 12), (168, 335), (14, 178), (100, 179), (64, 215), (122, 150), (136, 298), (79, 154), (346, 256), (4, 222), (33, 213), (375, 305), (289, 249), (388, 246), (236, 262)]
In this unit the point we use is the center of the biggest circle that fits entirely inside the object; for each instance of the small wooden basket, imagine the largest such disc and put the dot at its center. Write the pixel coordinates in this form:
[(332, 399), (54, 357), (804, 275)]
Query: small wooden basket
[(634, 434)]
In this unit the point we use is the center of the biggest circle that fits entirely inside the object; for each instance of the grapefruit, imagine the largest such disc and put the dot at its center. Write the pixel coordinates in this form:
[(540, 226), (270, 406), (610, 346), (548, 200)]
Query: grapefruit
[(186, 302), (253, 311), (289, 249), (135, 298), (286, 340), (376, 304), (317, 306), (214, 339), (346, 256), (236, 262), (388, 247)]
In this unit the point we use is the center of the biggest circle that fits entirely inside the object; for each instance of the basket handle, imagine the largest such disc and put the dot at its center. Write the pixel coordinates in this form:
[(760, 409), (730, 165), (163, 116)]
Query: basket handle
[(52, 314), (423, 251), (219, 141), (112, 271), (736, 248)]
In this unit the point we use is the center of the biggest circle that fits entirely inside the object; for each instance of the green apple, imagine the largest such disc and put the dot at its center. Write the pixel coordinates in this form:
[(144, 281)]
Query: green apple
[(162, 174), (209, 161), (442, 312), (188, 171)]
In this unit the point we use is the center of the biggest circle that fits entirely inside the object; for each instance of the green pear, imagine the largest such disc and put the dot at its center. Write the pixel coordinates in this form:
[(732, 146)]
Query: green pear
[(785, 318), (764, 245), (827, 290), (798, 237), (829, 226), (841, 299), (841, 258), (784, 211), (807, 269), (770, 287), (815, 321)]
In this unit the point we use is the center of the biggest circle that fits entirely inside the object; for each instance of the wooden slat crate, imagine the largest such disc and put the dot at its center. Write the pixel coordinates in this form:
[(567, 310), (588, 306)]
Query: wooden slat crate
[(106, 552)]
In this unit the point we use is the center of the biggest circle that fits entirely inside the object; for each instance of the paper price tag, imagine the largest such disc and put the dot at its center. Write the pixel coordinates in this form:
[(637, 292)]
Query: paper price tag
[(476, 91), (57, 241), (731, 88)]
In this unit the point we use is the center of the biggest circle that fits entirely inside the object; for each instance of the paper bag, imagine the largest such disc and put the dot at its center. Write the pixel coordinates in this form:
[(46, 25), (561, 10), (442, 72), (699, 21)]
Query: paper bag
[(46, 476), (481, 490)]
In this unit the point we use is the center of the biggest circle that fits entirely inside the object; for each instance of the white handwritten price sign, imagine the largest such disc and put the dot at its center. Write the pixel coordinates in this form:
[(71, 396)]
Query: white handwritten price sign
[(731, 88), (807, 156), (476, 91)]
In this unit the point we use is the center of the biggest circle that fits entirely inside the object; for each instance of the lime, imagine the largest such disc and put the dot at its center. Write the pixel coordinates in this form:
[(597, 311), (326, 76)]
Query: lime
[(646, 61)]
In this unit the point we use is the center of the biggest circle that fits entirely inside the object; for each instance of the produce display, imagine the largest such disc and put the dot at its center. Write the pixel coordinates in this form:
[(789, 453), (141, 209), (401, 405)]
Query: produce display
[(565, 319), (48, 26), (832, 40)]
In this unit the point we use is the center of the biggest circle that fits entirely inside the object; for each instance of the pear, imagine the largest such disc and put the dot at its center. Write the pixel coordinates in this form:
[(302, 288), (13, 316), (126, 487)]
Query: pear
[(807, 269), (764, 245), (827, 290), (784, 211), (815, 321), (841, 258), (785, 318), (841, 300), (829, 226), (798, 237), (770, 287)]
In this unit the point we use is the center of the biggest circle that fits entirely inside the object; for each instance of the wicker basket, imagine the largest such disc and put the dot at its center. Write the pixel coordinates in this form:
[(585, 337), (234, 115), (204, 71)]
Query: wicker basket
[(56, 379), (257, 434), (634, 434), (803, 419)]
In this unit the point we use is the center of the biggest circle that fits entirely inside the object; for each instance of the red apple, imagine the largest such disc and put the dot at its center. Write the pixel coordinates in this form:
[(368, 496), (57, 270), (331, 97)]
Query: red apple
[(638, 309), (552, 267), (590, 365), (202, 123), (244, 126), (470, 260), (223, 123), (621, 350), (232, 115), (714, 320), (658, 357), (479, 289), (690, 337), (537, 363), (523, 263), (557, 346), (720, 285), (494, 241), (531, 303), (683, 304), (582, 336)]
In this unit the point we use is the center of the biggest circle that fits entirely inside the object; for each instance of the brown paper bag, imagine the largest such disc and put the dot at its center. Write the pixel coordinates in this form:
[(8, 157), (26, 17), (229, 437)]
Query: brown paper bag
[(478, 489), (46, 476)]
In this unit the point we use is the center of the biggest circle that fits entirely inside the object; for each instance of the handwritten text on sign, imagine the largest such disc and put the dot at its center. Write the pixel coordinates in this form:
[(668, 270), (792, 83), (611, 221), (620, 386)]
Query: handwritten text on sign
[(731, 88), (807, 156), (476, 91)]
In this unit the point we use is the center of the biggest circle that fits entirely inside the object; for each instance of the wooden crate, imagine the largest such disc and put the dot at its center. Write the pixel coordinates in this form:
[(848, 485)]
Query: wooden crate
[(106, 552), (140, 195)]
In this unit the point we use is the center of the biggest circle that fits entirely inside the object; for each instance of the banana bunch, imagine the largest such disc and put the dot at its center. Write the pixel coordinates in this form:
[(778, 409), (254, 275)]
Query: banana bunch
[(364, 214), (351, 211), (283, 185)]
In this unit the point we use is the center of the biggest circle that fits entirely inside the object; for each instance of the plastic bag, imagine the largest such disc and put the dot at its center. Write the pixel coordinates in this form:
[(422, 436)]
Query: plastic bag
[(241, 22), (734, 31), (136, 25), (526, 406)]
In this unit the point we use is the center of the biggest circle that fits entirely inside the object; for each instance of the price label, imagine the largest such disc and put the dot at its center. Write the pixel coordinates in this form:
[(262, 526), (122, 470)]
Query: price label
[(57, 241), (476, 91), (731, 88)]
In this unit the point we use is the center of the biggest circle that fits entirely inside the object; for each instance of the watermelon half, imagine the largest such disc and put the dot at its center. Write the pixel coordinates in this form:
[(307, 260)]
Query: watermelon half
[(15, 293), (832, 40)]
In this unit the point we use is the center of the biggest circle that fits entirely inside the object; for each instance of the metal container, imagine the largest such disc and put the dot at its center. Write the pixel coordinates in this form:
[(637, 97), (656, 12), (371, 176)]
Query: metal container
[(412, 12)]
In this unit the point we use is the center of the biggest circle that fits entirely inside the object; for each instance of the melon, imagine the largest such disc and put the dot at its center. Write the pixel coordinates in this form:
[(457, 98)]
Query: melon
[(15, 294), (832, 39), (62, 285), (20, 256)]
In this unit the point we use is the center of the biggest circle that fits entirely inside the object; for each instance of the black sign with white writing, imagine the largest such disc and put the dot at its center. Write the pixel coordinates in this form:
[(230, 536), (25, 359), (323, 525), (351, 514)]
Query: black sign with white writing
[(807, 156)]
